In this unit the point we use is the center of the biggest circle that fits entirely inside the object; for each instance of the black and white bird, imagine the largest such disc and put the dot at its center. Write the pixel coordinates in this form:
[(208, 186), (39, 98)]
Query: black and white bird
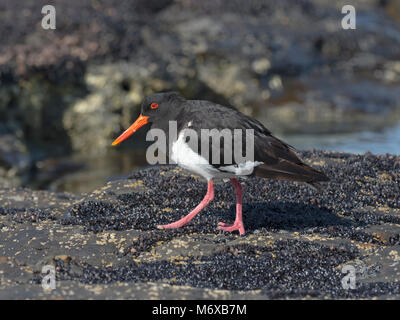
[(271, 158)]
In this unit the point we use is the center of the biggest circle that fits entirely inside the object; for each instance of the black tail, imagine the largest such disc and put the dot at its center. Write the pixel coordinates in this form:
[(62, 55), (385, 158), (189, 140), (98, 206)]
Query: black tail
[(287, 170)]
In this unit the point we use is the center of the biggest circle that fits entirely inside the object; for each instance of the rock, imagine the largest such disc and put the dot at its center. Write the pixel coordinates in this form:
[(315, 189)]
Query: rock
[(105, 244), (116, 91), (15, 161)]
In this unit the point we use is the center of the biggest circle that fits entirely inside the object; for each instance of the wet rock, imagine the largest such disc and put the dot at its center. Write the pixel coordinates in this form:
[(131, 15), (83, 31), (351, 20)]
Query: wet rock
[(15, 161), (116, 91), (297, 242)]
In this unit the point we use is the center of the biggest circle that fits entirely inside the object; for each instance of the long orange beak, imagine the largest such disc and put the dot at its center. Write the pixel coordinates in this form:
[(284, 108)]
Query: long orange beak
[(140, 122)]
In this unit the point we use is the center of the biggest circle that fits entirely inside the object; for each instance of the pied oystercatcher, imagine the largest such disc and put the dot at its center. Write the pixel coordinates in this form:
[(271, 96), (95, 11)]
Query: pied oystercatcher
[(272, 157)]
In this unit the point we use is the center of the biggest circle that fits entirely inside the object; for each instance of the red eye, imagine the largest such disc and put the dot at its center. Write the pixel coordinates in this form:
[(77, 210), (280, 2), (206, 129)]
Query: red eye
[(154, 105)]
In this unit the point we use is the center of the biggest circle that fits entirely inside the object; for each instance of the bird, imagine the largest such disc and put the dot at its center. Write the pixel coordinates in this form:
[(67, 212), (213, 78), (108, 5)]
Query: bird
[(272, 158)]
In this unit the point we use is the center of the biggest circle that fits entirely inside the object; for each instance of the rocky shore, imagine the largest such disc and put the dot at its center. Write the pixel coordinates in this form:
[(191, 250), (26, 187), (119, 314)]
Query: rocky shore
[(104, 244)]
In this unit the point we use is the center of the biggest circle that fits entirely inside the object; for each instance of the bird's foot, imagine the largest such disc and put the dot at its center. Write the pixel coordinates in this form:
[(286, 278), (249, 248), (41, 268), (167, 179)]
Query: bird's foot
[(237, 225), (177, 224)]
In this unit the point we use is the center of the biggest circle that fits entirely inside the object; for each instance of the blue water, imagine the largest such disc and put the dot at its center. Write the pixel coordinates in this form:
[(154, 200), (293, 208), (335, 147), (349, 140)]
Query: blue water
[(381, 142)]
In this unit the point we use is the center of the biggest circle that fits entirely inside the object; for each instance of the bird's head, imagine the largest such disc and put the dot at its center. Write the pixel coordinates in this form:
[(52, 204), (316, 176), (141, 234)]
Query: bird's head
[(155, 108)]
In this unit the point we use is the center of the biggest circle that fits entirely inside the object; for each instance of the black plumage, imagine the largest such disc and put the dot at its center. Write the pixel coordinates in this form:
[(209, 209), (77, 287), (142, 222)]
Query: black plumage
[(280, 160)]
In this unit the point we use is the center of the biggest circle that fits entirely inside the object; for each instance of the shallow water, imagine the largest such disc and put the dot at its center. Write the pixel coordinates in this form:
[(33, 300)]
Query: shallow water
[(377, 142)]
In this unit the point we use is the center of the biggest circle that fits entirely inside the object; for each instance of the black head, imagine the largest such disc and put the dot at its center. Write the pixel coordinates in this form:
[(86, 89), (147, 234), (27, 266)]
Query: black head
[(161, 106), (157, 108)]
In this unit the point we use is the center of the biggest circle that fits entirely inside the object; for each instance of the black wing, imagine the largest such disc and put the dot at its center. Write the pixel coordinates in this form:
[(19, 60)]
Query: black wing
[(279, 159)]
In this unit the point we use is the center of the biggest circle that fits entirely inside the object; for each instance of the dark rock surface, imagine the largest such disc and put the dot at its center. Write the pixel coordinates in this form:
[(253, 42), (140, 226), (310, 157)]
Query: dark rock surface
[(105, 245)]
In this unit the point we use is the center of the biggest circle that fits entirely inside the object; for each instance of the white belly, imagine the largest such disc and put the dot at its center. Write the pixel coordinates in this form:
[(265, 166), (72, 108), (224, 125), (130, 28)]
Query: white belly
[(190, 160), (186, 158)]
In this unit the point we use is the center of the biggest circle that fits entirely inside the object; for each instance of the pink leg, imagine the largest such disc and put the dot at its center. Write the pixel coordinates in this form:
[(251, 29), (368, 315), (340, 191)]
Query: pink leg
[(238, 224), (185, 220)]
